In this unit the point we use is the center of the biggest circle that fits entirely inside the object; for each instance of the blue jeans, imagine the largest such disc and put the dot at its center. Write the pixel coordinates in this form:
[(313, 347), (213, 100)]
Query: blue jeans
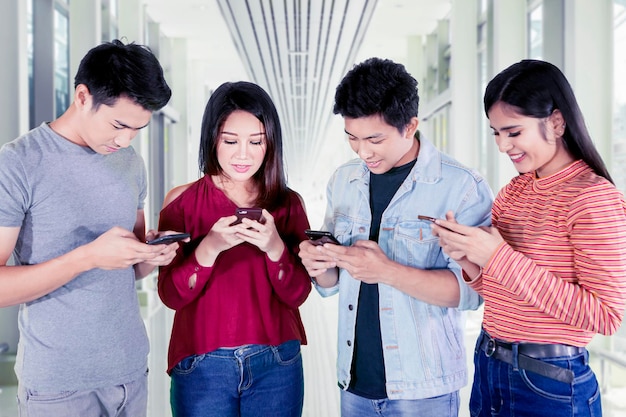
[(251, 380), (443, 406), (500, 390), (128, 400)]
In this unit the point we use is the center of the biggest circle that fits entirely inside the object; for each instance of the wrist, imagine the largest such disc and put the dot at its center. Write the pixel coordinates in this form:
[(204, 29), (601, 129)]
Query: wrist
[(276, 253), (205, 254), (473, 277)]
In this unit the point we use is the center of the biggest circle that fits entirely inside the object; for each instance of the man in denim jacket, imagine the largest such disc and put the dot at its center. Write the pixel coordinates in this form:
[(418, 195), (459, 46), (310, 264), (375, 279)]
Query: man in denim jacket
[(400, 334)]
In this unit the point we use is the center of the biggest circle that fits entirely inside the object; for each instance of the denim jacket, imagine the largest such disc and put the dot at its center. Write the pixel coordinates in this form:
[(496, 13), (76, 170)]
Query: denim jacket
[(423, 344)]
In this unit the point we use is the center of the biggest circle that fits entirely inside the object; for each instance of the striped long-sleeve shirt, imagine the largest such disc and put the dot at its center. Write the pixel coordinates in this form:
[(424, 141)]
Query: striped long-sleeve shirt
[(560, 276)]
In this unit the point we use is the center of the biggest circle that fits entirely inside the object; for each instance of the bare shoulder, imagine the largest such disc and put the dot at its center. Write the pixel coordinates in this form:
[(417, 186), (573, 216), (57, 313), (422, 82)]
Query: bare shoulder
[(175, 192)]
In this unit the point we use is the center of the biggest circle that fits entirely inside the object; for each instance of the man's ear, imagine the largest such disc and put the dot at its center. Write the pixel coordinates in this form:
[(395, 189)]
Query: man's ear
[(411, 128), (82, 96)]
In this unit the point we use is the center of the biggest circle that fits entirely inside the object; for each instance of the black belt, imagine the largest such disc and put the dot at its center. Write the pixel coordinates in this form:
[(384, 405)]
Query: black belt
[(527, 352)]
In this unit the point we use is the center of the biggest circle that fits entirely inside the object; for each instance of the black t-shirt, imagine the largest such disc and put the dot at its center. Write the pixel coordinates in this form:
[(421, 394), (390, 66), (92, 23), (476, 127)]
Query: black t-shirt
[(368, 368)]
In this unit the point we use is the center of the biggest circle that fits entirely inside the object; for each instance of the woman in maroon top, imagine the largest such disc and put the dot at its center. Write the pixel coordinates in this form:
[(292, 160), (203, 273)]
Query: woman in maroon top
[(236, 288)]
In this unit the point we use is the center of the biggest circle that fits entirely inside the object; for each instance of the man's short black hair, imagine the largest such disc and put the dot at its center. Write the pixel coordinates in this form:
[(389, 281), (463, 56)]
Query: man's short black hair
[(378, 86), (113, 69)]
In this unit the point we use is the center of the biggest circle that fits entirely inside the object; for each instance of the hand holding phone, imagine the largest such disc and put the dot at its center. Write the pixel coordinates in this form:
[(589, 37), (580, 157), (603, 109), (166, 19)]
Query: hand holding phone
[(319, 237), (169, 239), (432, 219), (252, 213)]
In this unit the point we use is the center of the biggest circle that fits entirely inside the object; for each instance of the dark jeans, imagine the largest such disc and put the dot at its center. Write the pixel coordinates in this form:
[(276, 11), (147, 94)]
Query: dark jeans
[(500, 390)]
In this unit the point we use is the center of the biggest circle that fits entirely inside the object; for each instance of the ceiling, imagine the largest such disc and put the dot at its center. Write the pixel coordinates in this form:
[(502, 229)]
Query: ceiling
[(297, 50)]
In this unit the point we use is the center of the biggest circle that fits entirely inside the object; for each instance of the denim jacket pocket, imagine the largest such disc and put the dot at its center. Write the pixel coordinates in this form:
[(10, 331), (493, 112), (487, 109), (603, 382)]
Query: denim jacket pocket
[(343, 230), (415, 245)]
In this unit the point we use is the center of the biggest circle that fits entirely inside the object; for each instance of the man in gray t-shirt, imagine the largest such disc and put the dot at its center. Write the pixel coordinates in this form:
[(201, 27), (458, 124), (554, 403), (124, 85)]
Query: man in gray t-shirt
[(71, 212)]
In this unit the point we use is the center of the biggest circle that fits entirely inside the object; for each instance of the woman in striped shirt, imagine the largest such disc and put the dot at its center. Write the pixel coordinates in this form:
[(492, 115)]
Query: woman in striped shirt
[(552, 268)]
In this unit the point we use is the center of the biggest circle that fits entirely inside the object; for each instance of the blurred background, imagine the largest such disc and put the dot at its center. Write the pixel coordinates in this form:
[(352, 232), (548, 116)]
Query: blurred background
[(298, 51)]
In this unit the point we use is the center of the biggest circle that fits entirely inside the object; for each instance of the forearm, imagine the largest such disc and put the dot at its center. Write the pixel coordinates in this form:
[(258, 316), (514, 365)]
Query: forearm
[(143, 269), (471, 271), (434, 286), (289, 279), (328, 279), (21, 284), (588, 303), (182, 281)]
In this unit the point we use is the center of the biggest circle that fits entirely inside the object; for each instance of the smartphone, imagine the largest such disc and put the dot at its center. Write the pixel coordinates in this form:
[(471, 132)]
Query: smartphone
[(168, 239), (422, 217), (432, 219), (252, 213), (319, 237)]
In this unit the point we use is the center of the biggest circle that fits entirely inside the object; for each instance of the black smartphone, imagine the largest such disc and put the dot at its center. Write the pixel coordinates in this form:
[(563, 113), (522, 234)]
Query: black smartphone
[(252, 213), (422, 217), (319, 237), (168, 239), (432, 219)]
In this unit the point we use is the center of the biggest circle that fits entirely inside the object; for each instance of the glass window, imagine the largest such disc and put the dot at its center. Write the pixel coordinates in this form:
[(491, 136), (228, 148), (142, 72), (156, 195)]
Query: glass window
[(484, 136), (29, 48), (109, 19), (61, 61), (535, 31), (618, 164), (484, 133)]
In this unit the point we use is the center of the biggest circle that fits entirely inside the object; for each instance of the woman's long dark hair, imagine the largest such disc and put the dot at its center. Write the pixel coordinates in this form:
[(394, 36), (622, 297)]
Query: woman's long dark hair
[(270, 179), (535, 89)]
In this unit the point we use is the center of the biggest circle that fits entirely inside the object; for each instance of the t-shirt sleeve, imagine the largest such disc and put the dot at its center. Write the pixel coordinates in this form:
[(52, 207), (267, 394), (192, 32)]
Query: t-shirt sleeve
[(14, 191), (143, 184)]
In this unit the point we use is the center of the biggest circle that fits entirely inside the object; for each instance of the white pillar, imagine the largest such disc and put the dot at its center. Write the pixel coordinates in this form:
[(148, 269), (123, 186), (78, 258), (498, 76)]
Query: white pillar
[(14, 74), (589, 66), (85, 31), (178, 76), (131, 24), (14, 114), (130, 21), (509, 45), (466, 110)]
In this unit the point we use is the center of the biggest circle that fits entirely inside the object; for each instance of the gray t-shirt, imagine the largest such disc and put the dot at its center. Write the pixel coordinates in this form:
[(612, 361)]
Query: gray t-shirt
[(89, 333)]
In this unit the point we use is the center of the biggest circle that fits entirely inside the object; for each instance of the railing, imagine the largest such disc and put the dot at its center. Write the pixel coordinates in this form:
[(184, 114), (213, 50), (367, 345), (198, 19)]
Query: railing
[(610, 355)]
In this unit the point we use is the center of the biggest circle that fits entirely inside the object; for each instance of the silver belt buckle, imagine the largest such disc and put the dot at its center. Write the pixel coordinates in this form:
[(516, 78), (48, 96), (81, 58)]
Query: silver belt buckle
[(490, 349)]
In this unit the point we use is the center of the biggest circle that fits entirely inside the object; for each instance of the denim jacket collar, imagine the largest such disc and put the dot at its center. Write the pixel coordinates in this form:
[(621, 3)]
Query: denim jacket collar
[(427, 169)]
